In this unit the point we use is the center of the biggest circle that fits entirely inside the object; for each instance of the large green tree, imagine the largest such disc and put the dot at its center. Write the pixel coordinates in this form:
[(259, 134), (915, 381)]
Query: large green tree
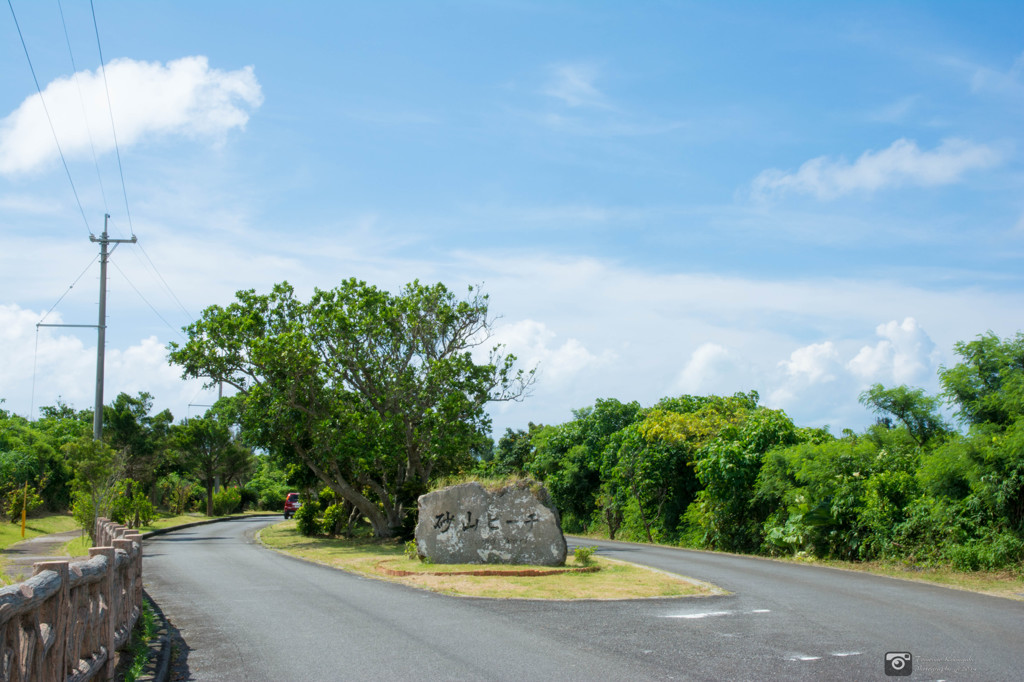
[(207, 446), (917, 411), (140, 438), (374, 392)]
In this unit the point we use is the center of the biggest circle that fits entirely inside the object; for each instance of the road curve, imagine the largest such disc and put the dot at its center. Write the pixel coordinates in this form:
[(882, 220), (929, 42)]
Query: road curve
[(249, 613)]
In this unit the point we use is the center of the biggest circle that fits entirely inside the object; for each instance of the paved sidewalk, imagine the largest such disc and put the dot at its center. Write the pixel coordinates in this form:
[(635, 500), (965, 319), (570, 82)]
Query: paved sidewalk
[(18, 558)]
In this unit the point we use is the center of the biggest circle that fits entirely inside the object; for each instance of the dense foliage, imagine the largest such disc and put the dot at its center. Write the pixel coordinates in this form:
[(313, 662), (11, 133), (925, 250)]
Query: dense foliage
[(727, 473), (144, 464), (374, 393), (323, 414)]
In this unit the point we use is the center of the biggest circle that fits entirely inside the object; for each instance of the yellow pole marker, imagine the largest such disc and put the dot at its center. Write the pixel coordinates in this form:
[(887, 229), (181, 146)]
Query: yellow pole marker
[(24, 507)]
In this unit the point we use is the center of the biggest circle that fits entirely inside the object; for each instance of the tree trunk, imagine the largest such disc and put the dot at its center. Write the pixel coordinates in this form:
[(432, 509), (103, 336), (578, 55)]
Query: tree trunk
[(640, 508)]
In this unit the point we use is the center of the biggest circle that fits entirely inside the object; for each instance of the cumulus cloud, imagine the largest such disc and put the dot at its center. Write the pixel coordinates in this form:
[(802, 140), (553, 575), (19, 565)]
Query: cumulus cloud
[(902, 163), (181, 97), (905, 354), (815, 363), (574, 84), (533, 344), (707, 366)]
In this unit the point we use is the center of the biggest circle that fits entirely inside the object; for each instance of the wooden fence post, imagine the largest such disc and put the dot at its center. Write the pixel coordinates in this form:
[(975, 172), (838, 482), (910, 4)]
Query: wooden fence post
[(126, 589), (53, 664), (108, 622), (136, 536)]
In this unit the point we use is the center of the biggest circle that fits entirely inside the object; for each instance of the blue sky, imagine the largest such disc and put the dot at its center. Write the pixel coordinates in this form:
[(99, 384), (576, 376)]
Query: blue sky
[(660, 197)]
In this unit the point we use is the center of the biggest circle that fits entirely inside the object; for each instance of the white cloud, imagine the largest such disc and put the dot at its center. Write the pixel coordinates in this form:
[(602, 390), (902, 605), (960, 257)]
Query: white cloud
[(1008, 83), (905, 355), (816, 363), (597, 329), (710, 369), (61, 365), (183, 97), (531, 342), (573, 84), (902, 163)]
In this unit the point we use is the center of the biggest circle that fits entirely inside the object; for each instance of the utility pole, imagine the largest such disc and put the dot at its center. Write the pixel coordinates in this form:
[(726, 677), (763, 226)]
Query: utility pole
[(101, 326), (101, 336)]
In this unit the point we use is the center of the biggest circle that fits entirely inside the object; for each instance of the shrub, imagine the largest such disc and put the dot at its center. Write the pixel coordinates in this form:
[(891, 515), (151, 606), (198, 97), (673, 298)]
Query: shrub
[(129, 505), (250, 498), (305, 519), (83, 512), (227, 501), (177, 493), (334, 517), (994, 551), (18, 498), (272, 498), (584, 555)]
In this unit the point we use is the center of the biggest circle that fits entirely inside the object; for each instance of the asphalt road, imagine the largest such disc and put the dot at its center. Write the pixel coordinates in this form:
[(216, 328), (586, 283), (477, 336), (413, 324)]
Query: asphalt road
[(251, 614)]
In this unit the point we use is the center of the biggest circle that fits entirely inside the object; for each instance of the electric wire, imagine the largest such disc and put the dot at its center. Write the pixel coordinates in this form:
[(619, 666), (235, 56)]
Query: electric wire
[(110, 110), (72, 286), (35, 354), (81, 101), (146, 301), (53, 130), (166, 285)]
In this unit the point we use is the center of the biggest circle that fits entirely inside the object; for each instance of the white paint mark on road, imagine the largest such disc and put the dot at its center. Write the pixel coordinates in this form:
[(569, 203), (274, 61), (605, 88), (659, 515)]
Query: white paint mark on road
[(809, 657), (706, 614), (709, 614)]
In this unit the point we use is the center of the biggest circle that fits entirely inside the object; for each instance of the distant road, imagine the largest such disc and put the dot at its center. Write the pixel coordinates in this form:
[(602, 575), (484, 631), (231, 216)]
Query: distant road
[(249, 613)]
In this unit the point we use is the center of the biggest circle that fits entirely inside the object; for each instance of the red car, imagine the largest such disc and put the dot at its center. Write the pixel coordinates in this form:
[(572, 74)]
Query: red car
[(291, 505)]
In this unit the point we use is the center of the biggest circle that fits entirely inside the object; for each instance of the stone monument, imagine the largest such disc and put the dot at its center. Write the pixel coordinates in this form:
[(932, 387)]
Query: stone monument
[(468, 524)]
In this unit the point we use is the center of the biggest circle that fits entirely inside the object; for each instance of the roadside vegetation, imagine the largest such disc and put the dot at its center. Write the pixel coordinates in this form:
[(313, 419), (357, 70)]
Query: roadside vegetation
[(147, 472), (911, 492), (362, 400)]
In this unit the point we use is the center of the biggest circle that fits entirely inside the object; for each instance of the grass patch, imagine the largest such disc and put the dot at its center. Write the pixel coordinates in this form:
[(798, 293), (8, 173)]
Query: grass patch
[(132, 660), (491, 484), (43, 525), (1006, 583), (170, 521), (79, 547), (615, 580)]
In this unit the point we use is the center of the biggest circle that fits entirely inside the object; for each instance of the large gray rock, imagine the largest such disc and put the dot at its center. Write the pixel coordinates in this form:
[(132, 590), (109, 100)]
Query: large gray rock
[(467, 524)]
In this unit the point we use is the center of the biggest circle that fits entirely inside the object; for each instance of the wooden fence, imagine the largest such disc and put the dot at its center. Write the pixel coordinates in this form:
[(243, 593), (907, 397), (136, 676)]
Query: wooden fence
[(67, 621)]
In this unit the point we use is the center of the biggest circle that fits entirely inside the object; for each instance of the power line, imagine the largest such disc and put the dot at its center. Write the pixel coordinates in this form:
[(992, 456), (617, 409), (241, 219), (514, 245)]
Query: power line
[(110, 110), (81, 101), (167, 286), (48, 118), (144, 300), (72, 286)]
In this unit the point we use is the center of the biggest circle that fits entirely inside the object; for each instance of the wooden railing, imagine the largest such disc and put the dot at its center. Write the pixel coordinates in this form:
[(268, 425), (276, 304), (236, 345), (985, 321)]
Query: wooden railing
[(67, 621)]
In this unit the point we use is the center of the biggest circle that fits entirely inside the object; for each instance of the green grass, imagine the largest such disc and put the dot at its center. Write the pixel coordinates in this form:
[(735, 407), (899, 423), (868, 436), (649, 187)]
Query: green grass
[(179, 520), (134, 664), (614, 580), (1005, 583), (77, 547), (10, 533)]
